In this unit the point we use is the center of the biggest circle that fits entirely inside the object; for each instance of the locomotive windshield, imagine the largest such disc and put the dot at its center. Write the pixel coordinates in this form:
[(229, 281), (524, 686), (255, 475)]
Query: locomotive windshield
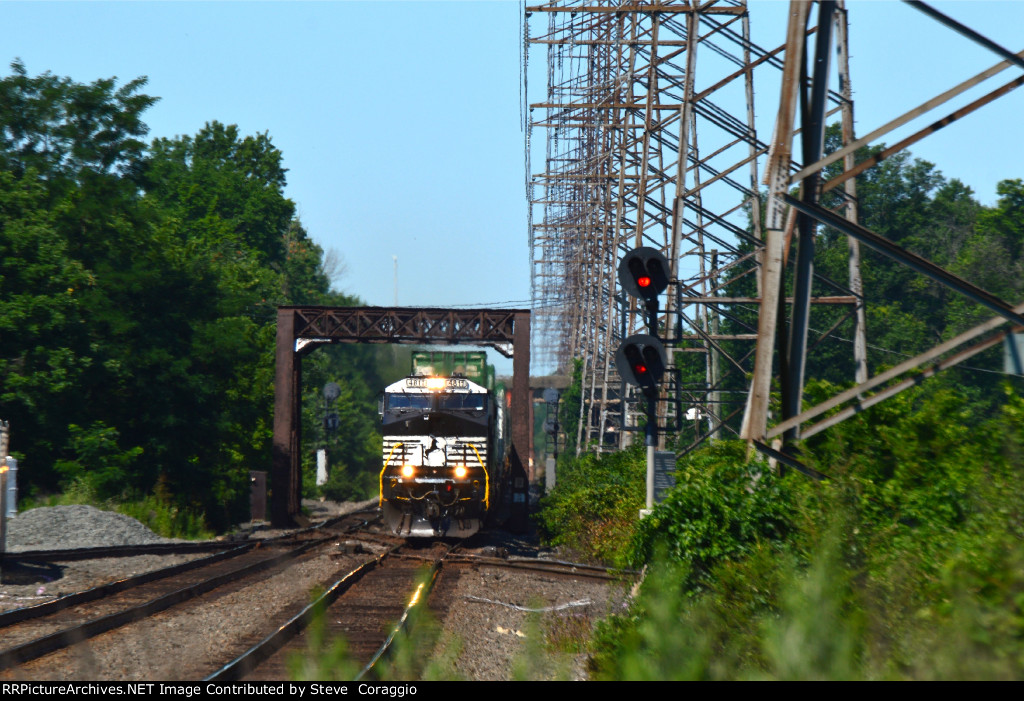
[(402, 402), (476, 402), (408, 401), (440, 413)]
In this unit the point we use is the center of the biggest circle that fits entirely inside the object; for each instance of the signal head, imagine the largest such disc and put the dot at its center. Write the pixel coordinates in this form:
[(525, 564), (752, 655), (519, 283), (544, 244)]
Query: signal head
[(641, 361), (644, 272)]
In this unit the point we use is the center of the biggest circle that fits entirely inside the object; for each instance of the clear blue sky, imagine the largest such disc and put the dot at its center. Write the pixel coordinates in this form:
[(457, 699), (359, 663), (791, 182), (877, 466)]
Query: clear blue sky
[(900, 58), (400, 121)]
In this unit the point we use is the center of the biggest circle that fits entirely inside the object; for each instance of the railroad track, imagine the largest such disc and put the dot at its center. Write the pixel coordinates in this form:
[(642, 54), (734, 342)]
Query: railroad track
[(33, 632), (365, 602), (367, 607), (554, 567), (352, 519)]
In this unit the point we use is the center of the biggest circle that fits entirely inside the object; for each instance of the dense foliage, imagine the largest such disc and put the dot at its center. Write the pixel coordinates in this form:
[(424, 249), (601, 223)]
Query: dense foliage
[(911, 203), (594, 504), (722, 508), (907, 562), (138, 284)]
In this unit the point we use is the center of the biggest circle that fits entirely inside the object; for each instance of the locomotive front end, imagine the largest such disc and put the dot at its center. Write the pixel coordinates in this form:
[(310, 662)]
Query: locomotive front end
[(435, 480)]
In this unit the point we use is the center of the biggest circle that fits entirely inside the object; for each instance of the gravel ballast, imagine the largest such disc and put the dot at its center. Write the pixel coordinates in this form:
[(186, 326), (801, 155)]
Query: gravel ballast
[(77, 526), (483, 632)]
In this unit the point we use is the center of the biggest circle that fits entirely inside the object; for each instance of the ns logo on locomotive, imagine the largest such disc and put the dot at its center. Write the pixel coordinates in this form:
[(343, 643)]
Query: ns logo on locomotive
[(444, 448)]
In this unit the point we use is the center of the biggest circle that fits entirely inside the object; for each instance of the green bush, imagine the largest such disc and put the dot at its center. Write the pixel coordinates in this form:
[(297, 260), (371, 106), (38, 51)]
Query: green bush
[(347, 484), (98, 461), (155, 511), (167, 519), (595, 505), (722, 507)]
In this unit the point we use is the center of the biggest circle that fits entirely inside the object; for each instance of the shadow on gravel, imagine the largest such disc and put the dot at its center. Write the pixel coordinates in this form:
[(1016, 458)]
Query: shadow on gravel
[(15, 572), (510, 544)]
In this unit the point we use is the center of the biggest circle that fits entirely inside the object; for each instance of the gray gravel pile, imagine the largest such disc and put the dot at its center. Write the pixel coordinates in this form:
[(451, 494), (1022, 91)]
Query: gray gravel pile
[(78, 526)]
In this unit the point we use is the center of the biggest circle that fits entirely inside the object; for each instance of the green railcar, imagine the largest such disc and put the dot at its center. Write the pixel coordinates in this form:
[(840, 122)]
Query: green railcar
[(469, 364)]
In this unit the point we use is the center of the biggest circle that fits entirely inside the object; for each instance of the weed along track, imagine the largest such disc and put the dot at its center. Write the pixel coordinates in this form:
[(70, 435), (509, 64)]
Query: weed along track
[(365, 608)]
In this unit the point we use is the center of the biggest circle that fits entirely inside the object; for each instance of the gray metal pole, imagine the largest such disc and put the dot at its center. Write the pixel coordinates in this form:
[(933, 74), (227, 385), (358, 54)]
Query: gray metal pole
[(652, 443), (5, 438), (812, 135)]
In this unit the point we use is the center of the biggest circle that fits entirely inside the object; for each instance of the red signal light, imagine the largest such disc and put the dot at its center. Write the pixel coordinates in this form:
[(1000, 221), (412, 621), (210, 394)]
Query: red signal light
[(643, 272), (641, 360)]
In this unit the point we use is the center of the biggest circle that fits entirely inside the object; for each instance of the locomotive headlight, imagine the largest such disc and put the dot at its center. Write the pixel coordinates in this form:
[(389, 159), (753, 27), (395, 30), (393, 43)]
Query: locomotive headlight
[(408, 471), (461, 471), (435, 383)]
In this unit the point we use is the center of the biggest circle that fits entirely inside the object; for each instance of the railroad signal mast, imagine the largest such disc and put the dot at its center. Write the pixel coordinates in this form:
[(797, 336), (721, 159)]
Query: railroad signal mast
[(641, 359)]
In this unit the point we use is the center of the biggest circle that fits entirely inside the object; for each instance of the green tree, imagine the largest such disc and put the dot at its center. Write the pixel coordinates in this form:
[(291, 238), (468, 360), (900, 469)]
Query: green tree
[(67, 131), (226, 190), (138, 293), (43, 354)]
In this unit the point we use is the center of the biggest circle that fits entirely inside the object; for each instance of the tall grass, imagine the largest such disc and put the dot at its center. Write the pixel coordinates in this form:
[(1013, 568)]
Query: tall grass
[(167, 519), (417, 653)]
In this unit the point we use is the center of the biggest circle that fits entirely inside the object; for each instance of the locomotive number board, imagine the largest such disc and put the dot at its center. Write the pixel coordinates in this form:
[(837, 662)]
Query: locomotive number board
[(436, 383)]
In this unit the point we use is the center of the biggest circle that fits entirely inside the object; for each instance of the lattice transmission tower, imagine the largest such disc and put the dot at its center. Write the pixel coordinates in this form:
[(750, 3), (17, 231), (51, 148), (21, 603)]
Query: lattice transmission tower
[(650, 141)]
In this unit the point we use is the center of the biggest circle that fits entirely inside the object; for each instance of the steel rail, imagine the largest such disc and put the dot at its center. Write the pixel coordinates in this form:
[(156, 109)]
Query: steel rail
[(69, 636), (248, 661), (92, 594), (419, 596), (113, 551), (44, 609), (94, 553)]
